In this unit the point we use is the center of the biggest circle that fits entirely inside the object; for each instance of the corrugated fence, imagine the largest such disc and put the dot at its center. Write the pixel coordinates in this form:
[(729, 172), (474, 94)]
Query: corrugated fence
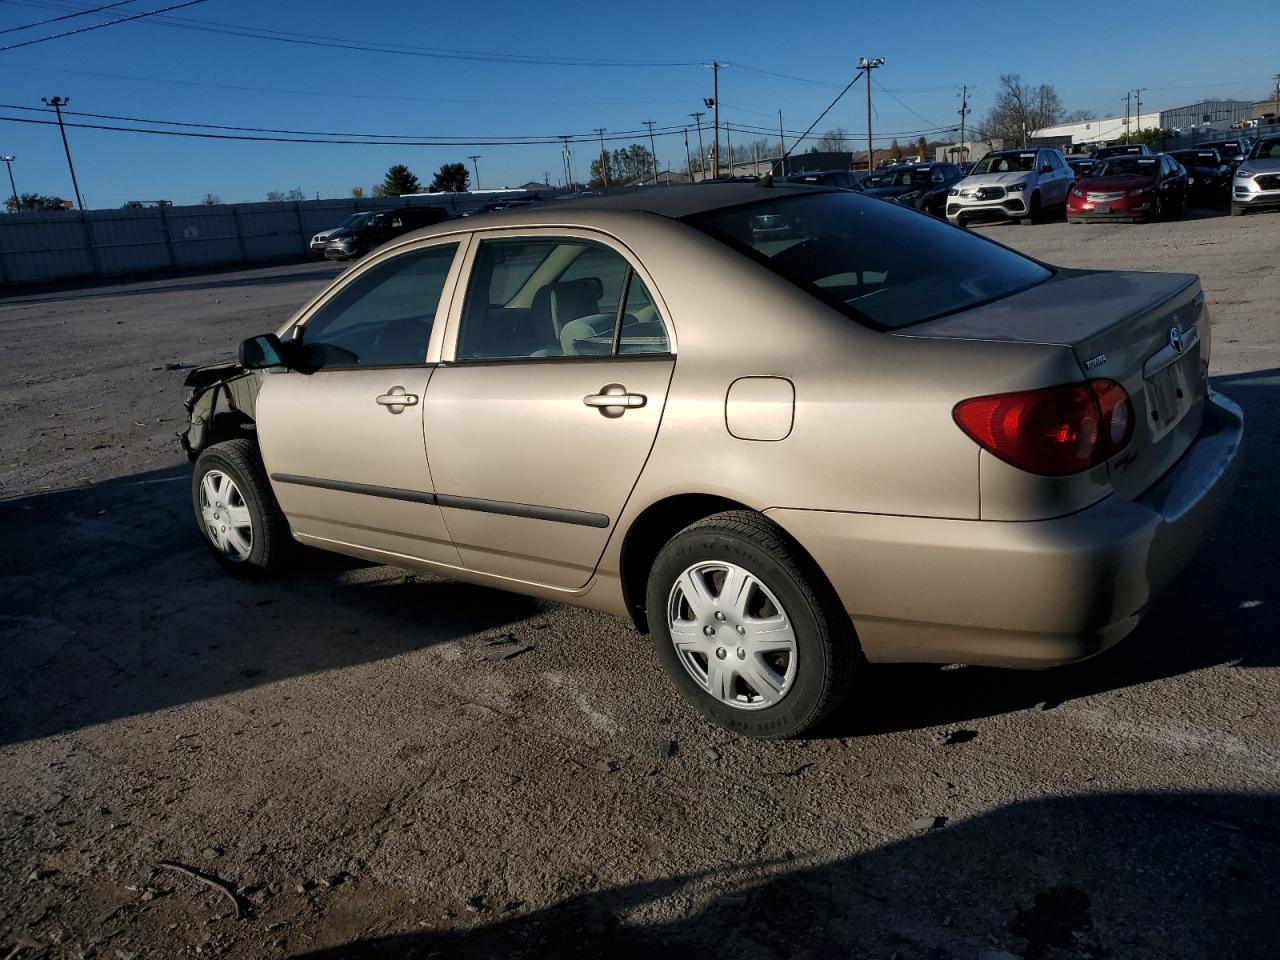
[(68, 245)]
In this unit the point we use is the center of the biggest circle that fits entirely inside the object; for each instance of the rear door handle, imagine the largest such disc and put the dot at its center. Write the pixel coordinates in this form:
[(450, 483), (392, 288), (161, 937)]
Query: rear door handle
[(613, 400), (395, 399)]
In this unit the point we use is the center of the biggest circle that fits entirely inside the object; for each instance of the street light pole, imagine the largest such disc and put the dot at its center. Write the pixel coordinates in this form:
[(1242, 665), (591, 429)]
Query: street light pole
[(476, 166), (715, 106), (58, 103), (8, 160), (688, 160), (867, 64)]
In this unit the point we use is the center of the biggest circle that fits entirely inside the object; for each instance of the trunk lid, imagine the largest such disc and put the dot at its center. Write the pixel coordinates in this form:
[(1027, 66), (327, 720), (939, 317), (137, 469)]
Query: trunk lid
[(1120, 326)]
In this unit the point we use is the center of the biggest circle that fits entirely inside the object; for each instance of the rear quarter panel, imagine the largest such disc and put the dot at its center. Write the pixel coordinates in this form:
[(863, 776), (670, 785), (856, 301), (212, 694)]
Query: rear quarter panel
[(873, 430)]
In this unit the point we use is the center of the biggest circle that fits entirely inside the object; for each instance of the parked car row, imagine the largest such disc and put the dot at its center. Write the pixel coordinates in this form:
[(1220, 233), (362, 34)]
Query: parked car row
[(1120, 182)]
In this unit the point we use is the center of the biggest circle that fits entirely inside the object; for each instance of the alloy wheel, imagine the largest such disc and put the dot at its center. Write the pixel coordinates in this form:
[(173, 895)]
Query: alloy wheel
[(732, 635), (226, 516)]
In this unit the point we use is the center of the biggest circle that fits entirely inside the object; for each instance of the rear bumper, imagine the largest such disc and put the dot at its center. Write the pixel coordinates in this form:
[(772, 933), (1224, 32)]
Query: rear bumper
[(1022, 594)]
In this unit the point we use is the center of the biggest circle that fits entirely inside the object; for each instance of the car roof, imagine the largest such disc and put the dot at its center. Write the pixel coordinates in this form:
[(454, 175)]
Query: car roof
[(685, 200), (673, 202)]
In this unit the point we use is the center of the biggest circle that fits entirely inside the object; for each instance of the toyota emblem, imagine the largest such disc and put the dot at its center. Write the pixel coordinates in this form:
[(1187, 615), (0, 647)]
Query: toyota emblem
[(1175, 339)]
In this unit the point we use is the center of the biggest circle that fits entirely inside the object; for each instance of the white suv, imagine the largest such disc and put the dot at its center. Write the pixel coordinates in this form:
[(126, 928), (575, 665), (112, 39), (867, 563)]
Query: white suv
[(1011, 185)]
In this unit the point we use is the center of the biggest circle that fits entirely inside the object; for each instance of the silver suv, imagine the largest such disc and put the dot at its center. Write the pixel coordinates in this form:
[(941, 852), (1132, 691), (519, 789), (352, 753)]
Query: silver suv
[(1257, 180), (1011, 185)]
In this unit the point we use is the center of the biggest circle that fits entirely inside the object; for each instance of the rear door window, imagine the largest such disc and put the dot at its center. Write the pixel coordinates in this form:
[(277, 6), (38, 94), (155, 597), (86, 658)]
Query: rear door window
[(549, 298)]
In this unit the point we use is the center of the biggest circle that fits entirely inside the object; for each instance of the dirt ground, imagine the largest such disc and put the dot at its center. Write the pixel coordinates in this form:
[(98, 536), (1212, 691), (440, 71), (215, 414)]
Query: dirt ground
[(352, 766)]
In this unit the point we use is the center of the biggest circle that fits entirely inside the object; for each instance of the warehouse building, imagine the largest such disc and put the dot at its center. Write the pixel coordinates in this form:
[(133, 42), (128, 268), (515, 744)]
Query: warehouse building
[(1211, 114)]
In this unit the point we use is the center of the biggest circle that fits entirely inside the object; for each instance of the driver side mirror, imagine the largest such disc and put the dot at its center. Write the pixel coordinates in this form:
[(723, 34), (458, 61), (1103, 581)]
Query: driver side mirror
[(1047, 168), (260, 353)]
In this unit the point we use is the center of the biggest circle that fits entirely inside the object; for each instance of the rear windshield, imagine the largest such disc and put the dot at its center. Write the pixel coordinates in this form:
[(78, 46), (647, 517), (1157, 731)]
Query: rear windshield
[(1006, 163), (883, 265), (1194, 158), (902, 177), (1127, 167), (1229, 149)]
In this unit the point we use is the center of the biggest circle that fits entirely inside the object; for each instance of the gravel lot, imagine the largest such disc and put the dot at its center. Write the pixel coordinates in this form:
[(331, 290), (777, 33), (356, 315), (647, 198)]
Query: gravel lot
[(351, 754)]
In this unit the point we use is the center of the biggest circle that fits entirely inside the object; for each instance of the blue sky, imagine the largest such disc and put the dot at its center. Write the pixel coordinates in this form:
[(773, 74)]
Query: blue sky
[(1180, 51)]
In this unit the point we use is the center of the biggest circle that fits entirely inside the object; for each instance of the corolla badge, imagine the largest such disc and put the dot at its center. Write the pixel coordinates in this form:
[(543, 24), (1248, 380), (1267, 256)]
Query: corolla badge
[(1175, 339)]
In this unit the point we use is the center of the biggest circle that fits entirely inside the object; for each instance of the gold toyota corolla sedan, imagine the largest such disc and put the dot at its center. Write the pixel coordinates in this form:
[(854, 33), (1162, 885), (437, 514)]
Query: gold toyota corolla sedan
[(787, 430)]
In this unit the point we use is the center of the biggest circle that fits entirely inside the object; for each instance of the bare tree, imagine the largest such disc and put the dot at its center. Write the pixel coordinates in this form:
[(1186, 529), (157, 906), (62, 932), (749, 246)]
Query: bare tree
[(1021, 109), (833, 141), (1079, 116), (357, 192)]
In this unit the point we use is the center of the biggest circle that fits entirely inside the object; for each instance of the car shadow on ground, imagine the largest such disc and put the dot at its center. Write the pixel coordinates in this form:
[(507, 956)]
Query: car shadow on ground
[(114, 607), (1222, 610), (1119, 875)]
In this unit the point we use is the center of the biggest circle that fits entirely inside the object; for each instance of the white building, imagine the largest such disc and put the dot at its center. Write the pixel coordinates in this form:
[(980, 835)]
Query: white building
[(1101, 130)]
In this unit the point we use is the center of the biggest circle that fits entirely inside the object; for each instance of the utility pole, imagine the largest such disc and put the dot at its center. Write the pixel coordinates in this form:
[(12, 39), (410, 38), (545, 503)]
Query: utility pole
[(568, 164), (715, 105), (58, 103), (604, 158), (476, 166), (1138, 109), (688, 160), (782, 148), (702, 157), (8, 160), (964, 109), (653, 151), (1276, 78), (867, 64), (728, 142), (1127, 97)]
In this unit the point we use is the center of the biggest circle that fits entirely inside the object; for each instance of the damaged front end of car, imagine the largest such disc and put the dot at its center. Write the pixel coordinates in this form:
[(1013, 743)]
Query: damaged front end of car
[(221, 401)]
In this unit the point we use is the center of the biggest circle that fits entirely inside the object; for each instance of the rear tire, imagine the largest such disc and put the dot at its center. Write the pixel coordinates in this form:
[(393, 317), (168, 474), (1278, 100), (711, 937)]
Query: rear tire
[(762, 645), (236, 511)]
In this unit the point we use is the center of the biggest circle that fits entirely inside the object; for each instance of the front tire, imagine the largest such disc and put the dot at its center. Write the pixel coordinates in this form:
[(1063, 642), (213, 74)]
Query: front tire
[(1033, 211), (236, 511), (748, 627)]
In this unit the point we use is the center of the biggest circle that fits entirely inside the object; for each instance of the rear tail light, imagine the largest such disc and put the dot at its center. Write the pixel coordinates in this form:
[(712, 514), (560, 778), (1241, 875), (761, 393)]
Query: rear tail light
[(1055, 431)]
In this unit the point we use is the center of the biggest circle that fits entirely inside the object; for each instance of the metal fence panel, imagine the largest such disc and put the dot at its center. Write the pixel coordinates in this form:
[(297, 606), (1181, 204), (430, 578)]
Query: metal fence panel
[(103, 243)]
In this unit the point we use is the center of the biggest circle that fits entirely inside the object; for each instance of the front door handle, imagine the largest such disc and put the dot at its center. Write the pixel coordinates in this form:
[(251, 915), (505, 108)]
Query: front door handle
[(395, 400), (613, 400)]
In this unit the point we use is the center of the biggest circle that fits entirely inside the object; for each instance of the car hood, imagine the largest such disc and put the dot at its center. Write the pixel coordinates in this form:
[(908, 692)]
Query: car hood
[(996, 179), (1113, 184), (344, 234), (1270, 165)]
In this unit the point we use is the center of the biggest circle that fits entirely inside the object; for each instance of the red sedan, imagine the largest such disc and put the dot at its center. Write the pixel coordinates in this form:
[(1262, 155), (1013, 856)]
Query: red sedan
[(1130, 188)]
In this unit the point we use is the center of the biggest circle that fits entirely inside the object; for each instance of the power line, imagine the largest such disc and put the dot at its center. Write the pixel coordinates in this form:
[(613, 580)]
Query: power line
[(848, 86), (66, 16), (345, 43), (99, 26), (514, 138), (329, 94), (249, 138)]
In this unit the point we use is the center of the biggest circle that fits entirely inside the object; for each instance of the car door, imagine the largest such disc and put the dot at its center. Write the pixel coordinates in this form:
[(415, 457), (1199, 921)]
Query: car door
[(341, 429), (547, 402)]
